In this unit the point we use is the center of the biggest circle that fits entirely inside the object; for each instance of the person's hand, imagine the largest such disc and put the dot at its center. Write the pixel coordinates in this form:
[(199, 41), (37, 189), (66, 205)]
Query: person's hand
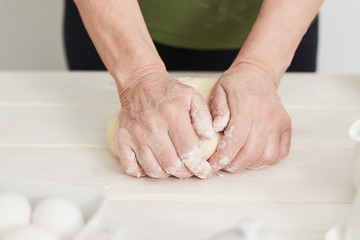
[(159, 127), (246, 105)]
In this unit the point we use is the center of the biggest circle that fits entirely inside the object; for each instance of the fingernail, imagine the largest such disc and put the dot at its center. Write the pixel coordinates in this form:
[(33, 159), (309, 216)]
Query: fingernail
[(257, 168), (220, 122), (205, 172)]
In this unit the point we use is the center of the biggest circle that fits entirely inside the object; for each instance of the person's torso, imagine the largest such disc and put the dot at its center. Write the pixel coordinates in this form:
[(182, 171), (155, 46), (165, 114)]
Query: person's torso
[(200, 24)]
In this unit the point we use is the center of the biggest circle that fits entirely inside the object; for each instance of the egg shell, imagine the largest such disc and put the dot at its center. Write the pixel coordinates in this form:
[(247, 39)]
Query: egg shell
[(15, 210), (29, 232), (59, 216)]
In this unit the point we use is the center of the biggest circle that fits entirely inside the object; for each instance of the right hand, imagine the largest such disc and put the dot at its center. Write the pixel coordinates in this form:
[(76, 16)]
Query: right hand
[(159, 127)]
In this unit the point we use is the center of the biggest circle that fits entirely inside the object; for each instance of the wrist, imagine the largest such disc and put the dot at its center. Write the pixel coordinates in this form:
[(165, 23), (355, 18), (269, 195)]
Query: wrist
[(138, 78), (272, 72), (125, 76)]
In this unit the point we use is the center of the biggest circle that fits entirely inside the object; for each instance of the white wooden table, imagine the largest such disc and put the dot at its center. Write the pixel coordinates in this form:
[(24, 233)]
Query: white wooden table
[(52, 127)]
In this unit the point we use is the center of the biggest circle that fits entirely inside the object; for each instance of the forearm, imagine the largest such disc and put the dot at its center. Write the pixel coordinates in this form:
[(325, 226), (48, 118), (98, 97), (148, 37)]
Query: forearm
[(276, 34), (119, 34)]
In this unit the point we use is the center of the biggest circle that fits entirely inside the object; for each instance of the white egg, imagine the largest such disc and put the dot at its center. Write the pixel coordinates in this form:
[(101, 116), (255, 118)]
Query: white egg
[(29, 232), (15, 210), (60, 216)]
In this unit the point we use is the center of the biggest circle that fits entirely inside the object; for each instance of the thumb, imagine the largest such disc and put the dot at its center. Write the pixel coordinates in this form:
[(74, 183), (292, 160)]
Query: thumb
[(200, 117), (219, 109)]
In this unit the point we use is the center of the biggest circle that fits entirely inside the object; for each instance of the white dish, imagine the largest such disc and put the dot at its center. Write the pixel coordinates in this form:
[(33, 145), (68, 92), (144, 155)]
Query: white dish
[(91, 203)]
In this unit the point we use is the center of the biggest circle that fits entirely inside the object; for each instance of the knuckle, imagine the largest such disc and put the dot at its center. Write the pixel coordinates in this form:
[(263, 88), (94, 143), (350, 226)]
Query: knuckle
[(287, 121), (238, 139), (235, 131), (270, 158), (151, 122), (134, 127), (123, 135)]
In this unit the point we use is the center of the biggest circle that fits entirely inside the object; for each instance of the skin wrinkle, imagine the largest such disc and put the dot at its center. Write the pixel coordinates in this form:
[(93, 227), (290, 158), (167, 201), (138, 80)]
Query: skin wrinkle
[(172, 94)]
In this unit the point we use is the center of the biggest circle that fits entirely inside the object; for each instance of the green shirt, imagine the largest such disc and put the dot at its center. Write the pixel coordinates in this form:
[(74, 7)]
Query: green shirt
[(200, 24)]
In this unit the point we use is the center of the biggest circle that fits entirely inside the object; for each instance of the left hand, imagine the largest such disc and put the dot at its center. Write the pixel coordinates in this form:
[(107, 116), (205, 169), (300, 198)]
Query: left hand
[(257, 127)]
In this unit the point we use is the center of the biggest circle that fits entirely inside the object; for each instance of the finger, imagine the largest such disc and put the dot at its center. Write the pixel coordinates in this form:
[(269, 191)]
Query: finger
[(166, 156), (201, 118), (187, 146), (270, 154), (128, 161), (219, 109), (127, 157), (285, 143), (231, 142), (148, 162), (252, 150)]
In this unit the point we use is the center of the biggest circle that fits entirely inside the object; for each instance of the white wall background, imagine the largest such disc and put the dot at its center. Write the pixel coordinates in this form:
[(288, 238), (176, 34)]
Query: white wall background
[(340, 37), (31, 36)]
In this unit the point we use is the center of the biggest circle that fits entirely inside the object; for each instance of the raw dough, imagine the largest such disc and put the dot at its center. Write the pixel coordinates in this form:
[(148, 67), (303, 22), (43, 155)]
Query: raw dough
[(59, 216), (204, 86)]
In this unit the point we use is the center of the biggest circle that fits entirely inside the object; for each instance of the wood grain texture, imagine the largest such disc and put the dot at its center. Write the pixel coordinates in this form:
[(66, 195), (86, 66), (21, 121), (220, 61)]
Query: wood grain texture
[(52, 127)]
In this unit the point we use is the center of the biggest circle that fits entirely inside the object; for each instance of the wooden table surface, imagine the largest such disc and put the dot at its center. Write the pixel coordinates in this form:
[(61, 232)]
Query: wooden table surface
[(52, 127)]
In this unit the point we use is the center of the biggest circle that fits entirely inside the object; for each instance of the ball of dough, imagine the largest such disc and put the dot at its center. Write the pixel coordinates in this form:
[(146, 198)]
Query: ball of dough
[(26, 233), (204, 86), (59, 216), (15, 210)]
